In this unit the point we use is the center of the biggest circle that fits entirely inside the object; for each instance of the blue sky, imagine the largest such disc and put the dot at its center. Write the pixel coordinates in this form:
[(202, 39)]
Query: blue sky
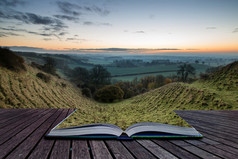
[(148, 26)]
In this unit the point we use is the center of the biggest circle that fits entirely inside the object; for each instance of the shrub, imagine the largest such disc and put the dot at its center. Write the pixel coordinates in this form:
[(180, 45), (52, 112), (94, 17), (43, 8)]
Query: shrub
[(87, 92), (204, 76), (11, 61), (44, 77), (109, 93), (63, 85), (168, 80)]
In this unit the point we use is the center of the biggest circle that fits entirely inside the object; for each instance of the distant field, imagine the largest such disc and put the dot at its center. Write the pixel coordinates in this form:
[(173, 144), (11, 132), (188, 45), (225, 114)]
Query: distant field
[(143, 69)]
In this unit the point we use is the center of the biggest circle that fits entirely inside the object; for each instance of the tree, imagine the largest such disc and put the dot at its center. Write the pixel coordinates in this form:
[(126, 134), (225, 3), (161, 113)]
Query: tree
[(49, 65), (109, 93), (87, 92), (185, 70), (81, 75), (10, 60), (160, 80), (100, 76)]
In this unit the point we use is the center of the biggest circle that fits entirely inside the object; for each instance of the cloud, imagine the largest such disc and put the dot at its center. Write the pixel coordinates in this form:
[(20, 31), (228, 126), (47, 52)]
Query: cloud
[(6, 34), (11, 3), (76, 39), (140, 32), (66, 17), (97, 10), (47, 39), (98, 24), (88, 23), (31, 18), (45, 34), (235, 30), (26, 48), (76, 10), (211, 28), (128, 49), (50, 26), (69, 8)]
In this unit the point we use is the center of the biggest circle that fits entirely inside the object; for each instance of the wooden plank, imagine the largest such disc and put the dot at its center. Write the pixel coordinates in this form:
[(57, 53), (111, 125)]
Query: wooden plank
[(199, 152), (43, 149), (208, 141), (21, 136), (18, 122), (13, 117), (218, 145), (24, 148), (80, 149), (4, 111), (137, 150), (211, 121), (9, 114), (218, 152), (218, 133), (157, 150), (219, 139), (175, 150), (118, 150), (18, 128), (99, 149), (210, 118), (195, 150), (61, 149)]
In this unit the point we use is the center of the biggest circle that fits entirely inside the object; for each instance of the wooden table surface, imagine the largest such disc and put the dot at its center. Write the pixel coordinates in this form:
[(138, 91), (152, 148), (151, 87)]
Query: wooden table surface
[(22, 136)]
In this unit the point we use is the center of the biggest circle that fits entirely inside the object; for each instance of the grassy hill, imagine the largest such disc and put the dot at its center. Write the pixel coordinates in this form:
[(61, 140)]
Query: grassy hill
[(158, 105), (26, 90)]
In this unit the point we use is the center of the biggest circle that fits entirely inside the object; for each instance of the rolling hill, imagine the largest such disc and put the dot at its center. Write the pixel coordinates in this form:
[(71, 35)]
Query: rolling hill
[(26, 90)]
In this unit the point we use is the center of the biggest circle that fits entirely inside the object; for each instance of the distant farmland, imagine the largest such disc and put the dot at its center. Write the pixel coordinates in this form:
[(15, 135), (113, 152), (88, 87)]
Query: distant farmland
[(143, 73)]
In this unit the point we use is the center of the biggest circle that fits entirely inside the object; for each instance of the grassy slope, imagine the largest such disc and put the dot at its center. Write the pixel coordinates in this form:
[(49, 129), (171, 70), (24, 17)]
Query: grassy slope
[(25, 90), (219, 92)]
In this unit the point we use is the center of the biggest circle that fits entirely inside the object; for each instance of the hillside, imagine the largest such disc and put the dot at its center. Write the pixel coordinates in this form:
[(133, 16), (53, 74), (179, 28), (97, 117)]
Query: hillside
[(25, 90), (158, 105), (225, 78)]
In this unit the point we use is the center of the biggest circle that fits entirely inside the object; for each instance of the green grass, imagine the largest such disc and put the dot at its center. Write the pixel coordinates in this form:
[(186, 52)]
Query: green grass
[(25, 90), (155, 106)]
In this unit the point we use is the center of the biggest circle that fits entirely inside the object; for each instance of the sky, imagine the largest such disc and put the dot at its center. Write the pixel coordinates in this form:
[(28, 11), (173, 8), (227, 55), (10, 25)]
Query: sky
[(132, 26)]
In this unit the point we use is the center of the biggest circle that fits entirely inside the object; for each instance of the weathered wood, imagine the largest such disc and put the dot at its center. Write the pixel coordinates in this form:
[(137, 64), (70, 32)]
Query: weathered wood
[(99, 150), (80, 149), (218, 152), (19, 137), (18, 128), (61, 149), (156, 149), (137, 150), (118, 150), (19, 122), (22, 136), (27, 145), (43, 149), (9, 114), (177, 151), (193, 149), (14, 117)]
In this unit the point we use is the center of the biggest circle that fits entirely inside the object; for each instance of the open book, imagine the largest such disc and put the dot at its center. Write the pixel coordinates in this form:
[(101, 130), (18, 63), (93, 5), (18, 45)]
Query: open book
[(110, 131)]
